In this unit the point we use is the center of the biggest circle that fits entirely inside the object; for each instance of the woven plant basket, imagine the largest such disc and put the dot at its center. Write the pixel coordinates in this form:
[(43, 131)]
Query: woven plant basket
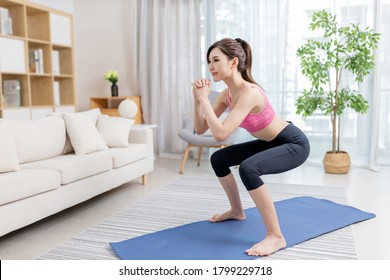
[(336, 163)]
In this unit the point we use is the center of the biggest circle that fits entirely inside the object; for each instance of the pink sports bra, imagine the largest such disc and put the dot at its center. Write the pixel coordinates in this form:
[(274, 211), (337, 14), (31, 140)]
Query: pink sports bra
[(256, 121)]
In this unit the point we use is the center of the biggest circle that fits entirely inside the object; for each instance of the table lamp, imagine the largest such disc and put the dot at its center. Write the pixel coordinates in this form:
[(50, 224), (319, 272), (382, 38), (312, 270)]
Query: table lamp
[(127, 109)]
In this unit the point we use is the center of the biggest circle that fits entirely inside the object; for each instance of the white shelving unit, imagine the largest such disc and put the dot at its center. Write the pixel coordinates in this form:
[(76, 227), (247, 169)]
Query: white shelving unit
[(37, 32)]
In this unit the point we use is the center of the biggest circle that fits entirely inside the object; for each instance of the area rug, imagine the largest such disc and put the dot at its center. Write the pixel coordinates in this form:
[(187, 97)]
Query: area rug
[(301, 218), (188, 200)]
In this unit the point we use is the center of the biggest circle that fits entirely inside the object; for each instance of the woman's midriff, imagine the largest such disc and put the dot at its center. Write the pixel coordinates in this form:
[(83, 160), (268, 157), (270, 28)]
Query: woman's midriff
[(272, 130)]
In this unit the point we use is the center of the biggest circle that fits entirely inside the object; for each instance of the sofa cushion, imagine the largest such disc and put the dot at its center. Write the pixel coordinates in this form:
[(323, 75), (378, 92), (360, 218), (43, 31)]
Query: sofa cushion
[(39, 138), (91, 114), (72, 167), (8, 155), (114, 130), (24, 183), (124, 156), (83, 134)]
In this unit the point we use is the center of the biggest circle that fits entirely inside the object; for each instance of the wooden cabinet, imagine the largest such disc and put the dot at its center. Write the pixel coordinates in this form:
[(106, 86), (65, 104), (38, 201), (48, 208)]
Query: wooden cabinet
[(38, 56), (109, 105)]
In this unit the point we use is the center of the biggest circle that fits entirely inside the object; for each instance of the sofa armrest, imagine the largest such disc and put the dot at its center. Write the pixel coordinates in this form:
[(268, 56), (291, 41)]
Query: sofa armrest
[(143, 135)]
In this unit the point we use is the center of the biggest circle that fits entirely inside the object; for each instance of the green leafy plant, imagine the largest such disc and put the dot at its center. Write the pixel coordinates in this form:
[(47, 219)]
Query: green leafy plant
[(111, 76), (323, 61)]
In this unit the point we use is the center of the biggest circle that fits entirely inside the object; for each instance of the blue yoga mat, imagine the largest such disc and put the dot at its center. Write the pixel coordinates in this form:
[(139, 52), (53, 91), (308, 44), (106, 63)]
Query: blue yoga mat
[(300, 218)]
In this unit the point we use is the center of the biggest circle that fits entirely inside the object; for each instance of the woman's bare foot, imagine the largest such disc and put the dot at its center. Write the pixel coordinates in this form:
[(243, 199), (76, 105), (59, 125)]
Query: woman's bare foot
[(229, 215), (266, 247)]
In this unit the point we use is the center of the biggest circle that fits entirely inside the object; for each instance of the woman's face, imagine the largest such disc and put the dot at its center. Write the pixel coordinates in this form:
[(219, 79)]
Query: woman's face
[(220, 66)]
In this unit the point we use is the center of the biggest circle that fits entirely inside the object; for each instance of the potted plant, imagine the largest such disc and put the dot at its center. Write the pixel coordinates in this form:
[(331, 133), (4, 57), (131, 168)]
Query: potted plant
[(112, 76), (323, 61)]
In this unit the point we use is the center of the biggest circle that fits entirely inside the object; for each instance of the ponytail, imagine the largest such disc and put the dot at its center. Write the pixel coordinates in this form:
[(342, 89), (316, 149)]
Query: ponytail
[(246, 71)]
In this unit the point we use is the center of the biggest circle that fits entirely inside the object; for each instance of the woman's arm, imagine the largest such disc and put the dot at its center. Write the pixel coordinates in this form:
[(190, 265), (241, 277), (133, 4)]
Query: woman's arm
[(248, 99), (200, 124), (219, 106)]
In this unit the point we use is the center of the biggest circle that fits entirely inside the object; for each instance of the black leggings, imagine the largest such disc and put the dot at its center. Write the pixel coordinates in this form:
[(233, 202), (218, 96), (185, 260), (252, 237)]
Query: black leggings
[(288, 150)]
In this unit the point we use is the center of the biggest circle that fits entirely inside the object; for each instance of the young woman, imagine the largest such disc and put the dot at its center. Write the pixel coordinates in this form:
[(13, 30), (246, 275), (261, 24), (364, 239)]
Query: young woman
[(280, 146)]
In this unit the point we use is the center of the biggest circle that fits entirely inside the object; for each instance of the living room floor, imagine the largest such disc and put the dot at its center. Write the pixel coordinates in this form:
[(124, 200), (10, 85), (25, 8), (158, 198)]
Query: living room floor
[(367, 190)]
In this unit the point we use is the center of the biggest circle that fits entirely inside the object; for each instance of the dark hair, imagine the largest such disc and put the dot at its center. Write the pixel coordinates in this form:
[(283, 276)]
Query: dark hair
[(236, 48)]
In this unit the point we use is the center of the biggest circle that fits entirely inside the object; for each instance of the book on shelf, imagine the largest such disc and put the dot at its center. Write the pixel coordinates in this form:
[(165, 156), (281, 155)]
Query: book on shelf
[(56, 90), (11, 93), (32, 62), (4, 13), (56, 62), (35, 60), (5, 22)]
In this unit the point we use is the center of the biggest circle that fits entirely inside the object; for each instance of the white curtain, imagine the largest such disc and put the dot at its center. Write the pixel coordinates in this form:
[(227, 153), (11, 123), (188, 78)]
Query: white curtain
[(275, 30), (169, 59), (173, 36), (381, 143)]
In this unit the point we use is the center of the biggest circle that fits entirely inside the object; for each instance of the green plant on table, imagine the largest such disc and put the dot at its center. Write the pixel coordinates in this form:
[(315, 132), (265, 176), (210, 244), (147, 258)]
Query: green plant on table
[(111, 76)]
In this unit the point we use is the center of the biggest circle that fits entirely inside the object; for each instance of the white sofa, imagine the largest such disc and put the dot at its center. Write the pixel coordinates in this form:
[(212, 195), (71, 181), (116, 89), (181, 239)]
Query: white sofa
[(50, 164)]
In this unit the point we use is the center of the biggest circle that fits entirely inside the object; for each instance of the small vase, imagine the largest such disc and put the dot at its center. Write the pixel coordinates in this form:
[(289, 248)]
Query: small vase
[(114, 90)]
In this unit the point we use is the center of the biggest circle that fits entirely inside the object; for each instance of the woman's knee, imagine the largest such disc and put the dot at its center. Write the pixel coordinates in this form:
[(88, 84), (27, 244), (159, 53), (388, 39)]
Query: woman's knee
[(216, 158), (218, 162), (250, 175)]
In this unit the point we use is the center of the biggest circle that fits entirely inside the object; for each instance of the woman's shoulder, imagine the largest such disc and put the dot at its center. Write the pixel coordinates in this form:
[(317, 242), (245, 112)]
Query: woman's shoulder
[(253, 87), (252, 94), (250, 90)]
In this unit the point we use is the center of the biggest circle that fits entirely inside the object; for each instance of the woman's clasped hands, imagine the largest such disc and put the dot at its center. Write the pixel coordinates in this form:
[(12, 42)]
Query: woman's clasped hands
[(201, 89)]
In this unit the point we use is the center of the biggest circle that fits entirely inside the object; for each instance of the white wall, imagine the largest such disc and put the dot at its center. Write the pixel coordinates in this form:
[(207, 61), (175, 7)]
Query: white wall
[(103, 41)]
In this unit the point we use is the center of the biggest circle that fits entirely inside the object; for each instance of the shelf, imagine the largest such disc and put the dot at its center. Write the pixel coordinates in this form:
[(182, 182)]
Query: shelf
[(24, 96), (61, 33), (65, 90), (21, 113), (16, 12), (62, 76), (65, 59), (12, 55), (41, 112), (41, 91), (47, 35), (38, 24), (39, 75), (38, 41), (34, 49), (109, 105)]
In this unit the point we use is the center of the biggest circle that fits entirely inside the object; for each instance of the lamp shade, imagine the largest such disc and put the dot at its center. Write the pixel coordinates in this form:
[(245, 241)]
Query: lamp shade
[(127, 109)]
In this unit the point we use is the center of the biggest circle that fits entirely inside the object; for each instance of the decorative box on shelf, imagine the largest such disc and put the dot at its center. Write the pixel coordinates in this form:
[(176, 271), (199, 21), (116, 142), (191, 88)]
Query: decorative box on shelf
[(109, 105)]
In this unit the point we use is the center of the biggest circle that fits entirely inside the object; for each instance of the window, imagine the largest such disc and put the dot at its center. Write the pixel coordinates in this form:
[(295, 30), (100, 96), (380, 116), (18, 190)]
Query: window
[(275, 30)]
